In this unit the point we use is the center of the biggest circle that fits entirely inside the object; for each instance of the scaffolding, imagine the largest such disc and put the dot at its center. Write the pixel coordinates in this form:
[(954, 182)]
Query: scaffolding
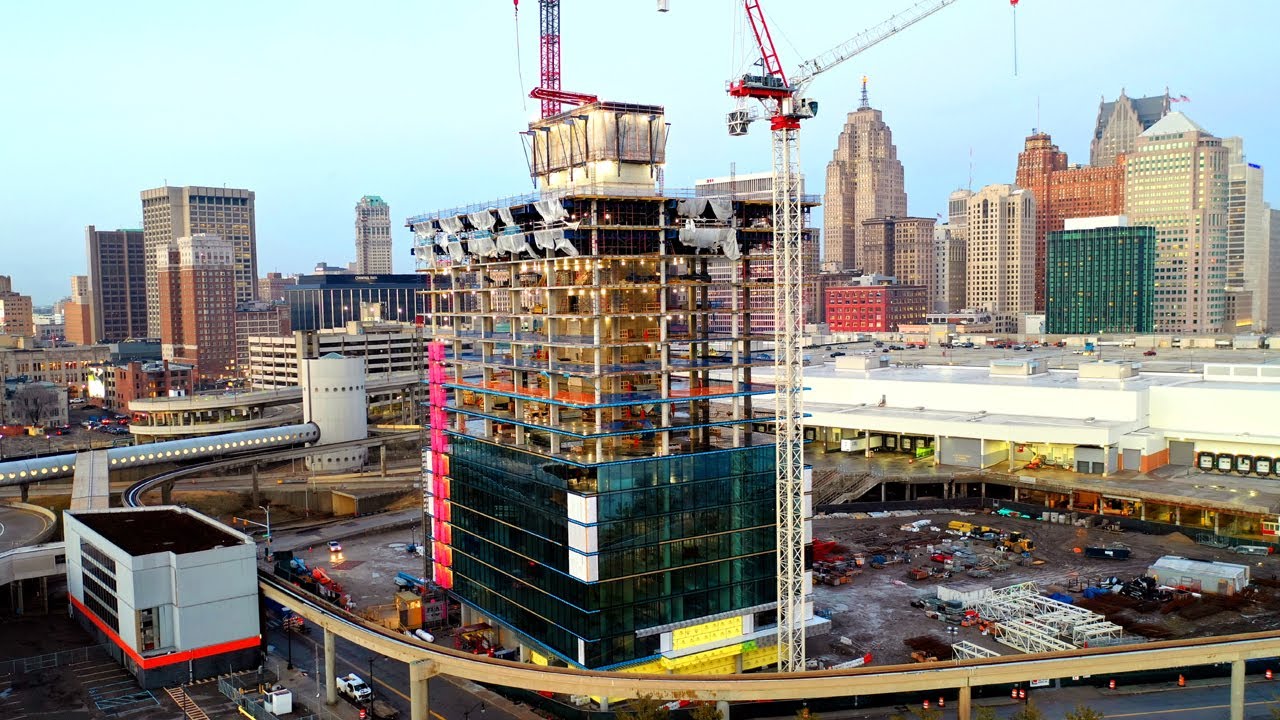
[(1025, 620), (965, 650)]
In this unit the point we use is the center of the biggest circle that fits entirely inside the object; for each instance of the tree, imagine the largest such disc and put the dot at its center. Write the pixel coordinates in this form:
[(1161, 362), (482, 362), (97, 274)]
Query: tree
[(982, 712), (1084, 712), (1028, 712), (919, 714), (34, 403), (645, 707)]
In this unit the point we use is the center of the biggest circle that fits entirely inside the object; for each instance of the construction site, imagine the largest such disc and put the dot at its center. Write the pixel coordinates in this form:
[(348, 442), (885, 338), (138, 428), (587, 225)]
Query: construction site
[(920, 586)]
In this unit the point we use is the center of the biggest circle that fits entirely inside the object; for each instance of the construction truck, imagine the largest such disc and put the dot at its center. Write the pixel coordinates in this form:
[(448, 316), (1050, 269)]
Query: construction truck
[(478, 639), (354, 688), (1016, 542)]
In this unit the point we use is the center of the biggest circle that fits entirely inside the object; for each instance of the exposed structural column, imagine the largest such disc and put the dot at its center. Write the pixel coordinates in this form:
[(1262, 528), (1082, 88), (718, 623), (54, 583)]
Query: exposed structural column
[(1237, 690), (330, 664), (420, 672), (964, 703)]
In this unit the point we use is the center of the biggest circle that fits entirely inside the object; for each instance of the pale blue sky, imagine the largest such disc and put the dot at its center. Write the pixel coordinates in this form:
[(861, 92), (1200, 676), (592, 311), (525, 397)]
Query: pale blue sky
[(313, 104)]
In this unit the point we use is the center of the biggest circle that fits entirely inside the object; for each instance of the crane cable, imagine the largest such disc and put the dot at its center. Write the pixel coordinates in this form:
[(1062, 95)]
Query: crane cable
[(524, 102)]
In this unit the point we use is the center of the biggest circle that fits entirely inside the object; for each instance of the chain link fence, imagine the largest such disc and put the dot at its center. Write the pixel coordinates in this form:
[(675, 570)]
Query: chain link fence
[(61, 658)]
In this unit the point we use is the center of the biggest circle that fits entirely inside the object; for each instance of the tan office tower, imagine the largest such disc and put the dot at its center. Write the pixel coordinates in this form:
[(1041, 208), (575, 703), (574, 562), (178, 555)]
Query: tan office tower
[(1000, 276), (169, 213), (1120, 123), (901, 247), (1248, 243), (15, 311), (864, 180), (196, 278), (118, 271), (946, 290), (373, 236), (77, 312), (1176, 181)]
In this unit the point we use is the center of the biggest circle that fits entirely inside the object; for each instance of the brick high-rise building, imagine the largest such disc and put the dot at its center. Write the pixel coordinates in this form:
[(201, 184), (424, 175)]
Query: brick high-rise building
[(1065, 191), (117, 301), (169, 213), (1119, 124), (15, 311), (373, 236), (899, 246), (1176, 180), (272, 287), (864, 180), (876, 308), (1001, 250), (76, 312), (198, 309)]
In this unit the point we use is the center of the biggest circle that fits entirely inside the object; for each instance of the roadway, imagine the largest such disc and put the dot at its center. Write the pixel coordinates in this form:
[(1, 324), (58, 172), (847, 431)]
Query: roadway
[(19, 527)]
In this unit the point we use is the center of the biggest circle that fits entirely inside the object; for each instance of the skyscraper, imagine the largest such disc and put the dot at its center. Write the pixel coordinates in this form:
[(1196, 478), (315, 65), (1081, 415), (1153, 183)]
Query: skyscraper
[(77, 312), (169, 213), (373, 236), (272, 287), (117, 299), (946, 290), (1120, 123), (1248, 243), (864, 180), (196, 278), (1001, 250), (1176, 180), (1064, 191), (15, 311), (901, 247), (1100, 277)]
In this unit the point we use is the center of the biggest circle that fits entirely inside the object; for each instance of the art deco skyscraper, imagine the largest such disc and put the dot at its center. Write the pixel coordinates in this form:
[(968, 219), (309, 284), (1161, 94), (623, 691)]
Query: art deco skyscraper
[(169, 213), (1121, 122), (864, 180), (373, 236), (1001, 250), (1176, 180)]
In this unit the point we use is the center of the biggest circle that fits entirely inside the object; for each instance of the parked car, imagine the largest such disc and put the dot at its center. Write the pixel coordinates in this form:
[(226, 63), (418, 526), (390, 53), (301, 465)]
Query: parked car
[(1150, 353), (335, 546), (836, 354)]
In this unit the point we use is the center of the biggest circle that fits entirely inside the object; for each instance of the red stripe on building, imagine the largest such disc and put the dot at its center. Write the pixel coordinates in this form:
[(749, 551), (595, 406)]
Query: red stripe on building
[(150, 663)]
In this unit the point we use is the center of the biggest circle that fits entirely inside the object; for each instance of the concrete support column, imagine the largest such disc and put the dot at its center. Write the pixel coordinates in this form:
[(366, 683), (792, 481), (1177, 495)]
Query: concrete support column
[(1216, 515), (866, 449), (44, 595), (420, 672), (1142, 511), (883, 492), (1177, 515), (330, 664), (382, 459), (1237, 690), (25, 489), (723, 707), (1015, 493), (257, 496), (604, 704), (166, 493), (964, 704)]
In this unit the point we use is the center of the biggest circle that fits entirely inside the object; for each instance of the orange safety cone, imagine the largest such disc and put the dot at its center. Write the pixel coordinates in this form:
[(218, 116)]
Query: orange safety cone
[(1112, 684), (942, 702), (1022, 694), (1014, 693), (1182, 681), (926, 704), (1268, 673)]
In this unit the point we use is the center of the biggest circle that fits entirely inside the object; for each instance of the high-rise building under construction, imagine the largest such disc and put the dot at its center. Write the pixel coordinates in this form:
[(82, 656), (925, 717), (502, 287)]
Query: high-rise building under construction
[(598, 484)]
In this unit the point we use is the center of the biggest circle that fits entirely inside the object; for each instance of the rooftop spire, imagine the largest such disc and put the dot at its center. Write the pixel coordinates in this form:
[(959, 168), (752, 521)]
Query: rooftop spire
[(866, 104)]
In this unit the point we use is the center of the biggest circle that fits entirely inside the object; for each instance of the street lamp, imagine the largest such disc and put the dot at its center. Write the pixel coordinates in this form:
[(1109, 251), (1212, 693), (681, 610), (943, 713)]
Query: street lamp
[(267, 509), (466, 714)]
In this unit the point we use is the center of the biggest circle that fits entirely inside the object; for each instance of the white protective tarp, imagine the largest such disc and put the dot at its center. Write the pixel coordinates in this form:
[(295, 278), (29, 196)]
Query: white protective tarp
[(514, 242), (691, 207), (456, 253), (507, 219), (722, 208), (550, 210), (547, 239), (481, 243), (451, 225), (724, 239), (564, 246), (442, 240), (482, 220)]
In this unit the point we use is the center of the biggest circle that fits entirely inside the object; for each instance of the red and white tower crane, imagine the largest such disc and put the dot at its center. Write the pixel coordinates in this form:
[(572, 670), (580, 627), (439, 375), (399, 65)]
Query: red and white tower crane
[(785, 105)]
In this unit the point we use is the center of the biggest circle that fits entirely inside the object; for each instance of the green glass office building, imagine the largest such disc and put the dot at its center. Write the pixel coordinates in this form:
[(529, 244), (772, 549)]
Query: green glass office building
[(1100, 280)]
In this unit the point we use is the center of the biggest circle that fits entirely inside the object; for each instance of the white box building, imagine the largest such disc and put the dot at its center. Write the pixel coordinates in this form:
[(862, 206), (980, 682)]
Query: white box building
[(172, 593)]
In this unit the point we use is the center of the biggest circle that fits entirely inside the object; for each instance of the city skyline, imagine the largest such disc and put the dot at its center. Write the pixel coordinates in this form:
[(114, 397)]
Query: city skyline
[(305, 194)]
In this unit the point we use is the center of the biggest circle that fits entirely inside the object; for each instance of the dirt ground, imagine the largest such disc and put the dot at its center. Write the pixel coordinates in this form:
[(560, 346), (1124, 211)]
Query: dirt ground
[(873, 611)]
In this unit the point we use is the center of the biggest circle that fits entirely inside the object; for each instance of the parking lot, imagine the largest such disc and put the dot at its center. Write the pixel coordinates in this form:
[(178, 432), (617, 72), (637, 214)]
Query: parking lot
[(74, 437)]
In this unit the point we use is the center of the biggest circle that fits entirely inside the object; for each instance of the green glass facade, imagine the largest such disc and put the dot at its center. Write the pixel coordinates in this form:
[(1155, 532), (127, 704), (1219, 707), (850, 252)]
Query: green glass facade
[(1100, 280), (679, 538)]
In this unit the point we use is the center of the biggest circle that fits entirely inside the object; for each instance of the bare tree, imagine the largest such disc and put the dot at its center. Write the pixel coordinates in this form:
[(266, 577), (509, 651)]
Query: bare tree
[(706, 711), (1084, 712), (33, 403), (919, 714), (645, 707), (983, 712), (1028, 712)]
